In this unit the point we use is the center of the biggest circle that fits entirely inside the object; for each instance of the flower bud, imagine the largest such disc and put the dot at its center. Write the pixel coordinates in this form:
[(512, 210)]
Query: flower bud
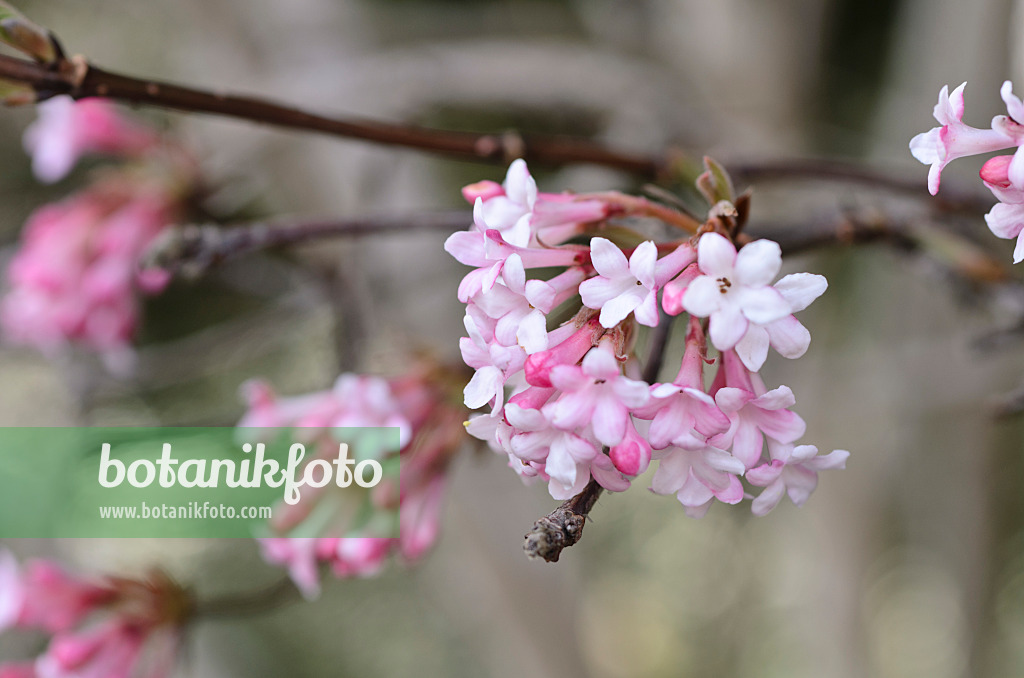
[(27, 37)]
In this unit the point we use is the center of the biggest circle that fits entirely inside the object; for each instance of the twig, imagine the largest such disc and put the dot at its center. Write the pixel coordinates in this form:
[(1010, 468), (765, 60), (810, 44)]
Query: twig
[(563, 527), (78, 78), (192, 249), (949, 199), (266, 599), (846, 230)]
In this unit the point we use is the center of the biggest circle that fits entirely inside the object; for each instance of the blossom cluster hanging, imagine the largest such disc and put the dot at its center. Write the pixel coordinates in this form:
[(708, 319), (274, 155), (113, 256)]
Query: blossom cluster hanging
[(568, 403), (98, 626), (429, 435), (1002, 174), (75, 279)]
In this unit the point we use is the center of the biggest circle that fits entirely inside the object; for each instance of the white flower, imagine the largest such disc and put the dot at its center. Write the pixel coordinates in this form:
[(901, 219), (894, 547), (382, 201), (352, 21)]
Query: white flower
[(733, 290), (511, 213), (941, 145), (623, 287), (793, 471), (786, 335)]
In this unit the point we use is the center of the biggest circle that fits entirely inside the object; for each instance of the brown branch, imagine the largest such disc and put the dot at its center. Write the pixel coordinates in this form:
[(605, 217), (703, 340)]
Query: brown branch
[(79, 79), (844, 231), (949, 199), (191, 250), (563, 527), (957, 257)]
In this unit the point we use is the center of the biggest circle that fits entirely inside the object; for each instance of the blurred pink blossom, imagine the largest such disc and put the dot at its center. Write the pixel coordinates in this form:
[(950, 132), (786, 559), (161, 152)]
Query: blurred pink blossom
[(100, 627), (67, 129), (75, 280), (430, 432)]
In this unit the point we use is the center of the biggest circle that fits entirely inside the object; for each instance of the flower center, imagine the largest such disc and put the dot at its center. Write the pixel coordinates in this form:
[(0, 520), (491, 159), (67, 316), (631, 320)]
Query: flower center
[(724, 285)]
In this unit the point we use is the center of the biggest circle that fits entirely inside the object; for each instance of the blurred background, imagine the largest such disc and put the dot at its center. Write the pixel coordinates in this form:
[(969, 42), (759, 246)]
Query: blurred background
[(909, 563)]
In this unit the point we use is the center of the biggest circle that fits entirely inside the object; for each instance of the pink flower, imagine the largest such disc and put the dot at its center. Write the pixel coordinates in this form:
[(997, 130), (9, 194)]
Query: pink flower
[(524, 216), (430, 433), (682, 414), (519, 306), (12, 593), (567, 406), (74, 278), (754, 412), (566, 455), (354, 401), (941, 145), (66, 130), (698, 476), (1006, 218), (420, 518), (792, 471), (56, 601), (511, 210), (44, 596), (625, 287), (347, 557), (486, 249), (595, 393), (100, 629), (568, 351), (18, 670), (733, 290), (672, 296), (632, 456)]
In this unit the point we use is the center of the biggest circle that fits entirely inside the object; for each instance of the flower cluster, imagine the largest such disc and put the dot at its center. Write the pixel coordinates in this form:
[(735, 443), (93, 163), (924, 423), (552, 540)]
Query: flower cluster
[(99, 627), (1003, 174), (569, 404), (75, 278), (355, 531)]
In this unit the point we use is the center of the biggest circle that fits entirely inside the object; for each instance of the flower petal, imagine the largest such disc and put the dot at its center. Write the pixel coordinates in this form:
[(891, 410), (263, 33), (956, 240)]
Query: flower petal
[(608, 259), (789, 337), (642, 262), (715, 255), (768, 499), (758, 263), (727, 327), (800, 289), (753, 347), (762, 305), (615, 310), (702, 297)]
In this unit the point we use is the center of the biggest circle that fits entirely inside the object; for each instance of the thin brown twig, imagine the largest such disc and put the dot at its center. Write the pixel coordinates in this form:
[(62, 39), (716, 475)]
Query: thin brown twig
[(191, 250), (80, 79), (844, 231), (949, 199)]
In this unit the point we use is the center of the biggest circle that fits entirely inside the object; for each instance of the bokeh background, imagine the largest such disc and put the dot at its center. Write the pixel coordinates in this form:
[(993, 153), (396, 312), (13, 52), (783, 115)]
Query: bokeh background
[(909, 563)]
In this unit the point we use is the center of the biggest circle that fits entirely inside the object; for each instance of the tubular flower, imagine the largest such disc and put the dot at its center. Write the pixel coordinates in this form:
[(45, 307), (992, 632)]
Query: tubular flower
[(567, 403), (1003, 174), (98, 627), (429, 435)]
